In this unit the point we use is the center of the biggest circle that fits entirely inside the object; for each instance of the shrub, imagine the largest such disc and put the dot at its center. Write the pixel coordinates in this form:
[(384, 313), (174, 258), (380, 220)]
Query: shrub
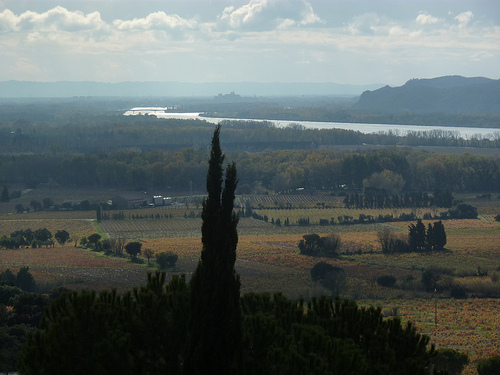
[(490, 366), (319, 270), (25, 280), (332, 278), (430, 279), (449, 361), (386, 280), (8, 293), (166, 259), (314, 245), (458, 292), (7, 277), (463, 211)]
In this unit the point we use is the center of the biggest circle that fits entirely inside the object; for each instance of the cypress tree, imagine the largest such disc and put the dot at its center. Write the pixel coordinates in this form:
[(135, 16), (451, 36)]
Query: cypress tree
[(214, 345)]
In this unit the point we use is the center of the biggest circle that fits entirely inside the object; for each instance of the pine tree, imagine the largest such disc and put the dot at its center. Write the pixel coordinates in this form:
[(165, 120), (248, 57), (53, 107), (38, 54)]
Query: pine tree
[(214, 344), (439, 235), (5, 194)]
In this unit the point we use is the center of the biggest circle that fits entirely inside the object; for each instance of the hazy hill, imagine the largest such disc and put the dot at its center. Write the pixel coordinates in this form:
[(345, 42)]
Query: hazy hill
[(447, 95), (28, 89)]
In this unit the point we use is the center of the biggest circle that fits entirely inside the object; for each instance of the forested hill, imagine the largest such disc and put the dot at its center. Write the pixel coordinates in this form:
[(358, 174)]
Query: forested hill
[(446, 95)]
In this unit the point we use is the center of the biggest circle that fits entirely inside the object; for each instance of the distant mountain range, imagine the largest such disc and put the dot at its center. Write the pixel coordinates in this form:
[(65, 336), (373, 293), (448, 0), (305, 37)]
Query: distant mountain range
[(29, 89), (447, 95)]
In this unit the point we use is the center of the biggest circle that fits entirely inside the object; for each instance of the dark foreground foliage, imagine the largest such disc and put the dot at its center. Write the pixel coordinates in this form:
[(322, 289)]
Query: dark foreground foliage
[(144, 332)]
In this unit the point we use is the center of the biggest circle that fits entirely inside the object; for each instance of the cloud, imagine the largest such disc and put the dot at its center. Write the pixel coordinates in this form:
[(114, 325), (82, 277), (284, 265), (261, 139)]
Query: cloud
[(365, 24), (464, 18), (481, 55), (262, 15), (426, 19), (56, 19), (154, 21)]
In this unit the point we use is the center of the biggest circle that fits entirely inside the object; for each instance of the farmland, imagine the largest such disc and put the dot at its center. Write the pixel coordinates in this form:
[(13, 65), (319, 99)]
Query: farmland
[(269, 260)]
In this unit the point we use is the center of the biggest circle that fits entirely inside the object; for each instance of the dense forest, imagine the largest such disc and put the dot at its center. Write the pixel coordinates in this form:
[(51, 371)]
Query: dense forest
[(272, 170)]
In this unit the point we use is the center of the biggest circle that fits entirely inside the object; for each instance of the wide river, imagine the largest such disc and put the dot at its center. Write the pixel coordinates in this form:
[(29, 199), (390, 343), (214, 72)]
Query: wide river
[(463, 132)]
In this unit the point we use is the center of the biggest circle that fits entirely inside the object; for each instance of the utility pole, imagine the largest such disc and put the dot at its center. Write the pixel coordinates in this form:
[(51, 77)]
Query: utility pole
[(435, 308)]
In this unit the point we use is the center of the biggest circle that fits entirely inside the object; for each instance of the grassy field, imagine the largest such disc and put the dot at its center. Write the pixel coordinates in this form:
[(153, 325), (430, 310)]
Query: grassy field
[(269, 260)]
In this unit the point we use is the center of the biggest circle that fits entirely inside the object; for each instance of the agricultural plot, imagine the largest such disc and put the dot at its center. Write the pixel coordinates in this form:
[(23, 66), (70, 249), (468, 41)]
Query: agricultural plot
[(297, 201), (269, 260), (75, 268), (77, 228), (339, 214), (470, 326)]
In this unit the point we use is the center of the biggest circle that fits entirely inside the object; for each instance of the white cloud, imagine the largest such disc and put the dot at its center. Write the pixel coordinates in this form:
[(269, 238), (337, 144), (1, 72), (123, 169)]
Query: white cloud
[(243, 40), (157, 20), (364, 24), (426, 19), (59, 19), (481, 55), (464, 18), (260, 15)]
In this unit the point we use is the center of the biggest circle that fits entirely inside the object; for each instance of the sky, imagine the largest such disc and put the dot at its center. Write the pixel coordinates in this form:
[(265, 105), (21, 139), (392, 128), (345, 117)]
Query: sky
[(346, 42)]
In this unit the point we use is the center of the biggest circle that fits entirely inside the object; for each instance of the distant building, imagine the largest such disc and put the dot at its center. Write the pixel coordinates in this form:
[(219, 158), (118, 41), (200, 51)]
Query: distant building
[(131, 200)]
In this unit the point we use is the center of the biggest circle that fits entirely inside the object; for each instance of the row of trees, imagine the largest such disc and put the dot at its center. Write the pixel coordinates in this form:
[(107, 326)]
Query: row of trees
[(37, 238), (381, 199), (83, 132), (420, 239), (271, 171)]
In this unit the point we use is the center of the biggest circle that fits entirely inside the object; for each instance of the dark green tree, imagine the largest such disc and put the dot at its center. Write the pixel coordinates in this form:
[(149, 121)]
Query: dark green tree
[(438, 236), (5, 194), (25, 280), (42, 234), (93, 240), (61, 236), (214, 345), (430, 280), (490, 366), (166, 259), (133, 249), (7, 277), (47, 202), (450, 361), (417, 236), (80, 333)]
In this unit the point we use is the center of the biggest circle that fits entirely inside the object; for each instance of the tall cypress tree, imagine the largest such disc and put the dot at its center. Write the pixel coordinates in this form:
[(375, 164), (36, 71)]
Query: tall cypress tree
[(214, 345)]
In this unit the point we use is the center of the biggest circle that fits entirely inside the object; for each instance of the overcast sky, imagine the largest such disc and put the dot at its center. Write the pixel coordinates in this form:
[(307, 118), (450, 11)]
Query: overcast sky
[(350, 42)]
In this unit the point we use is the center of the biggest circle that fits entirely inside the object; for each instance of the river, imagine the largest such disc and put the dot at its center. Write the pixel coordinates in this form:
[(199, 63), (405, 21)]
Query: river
[(459, 132)]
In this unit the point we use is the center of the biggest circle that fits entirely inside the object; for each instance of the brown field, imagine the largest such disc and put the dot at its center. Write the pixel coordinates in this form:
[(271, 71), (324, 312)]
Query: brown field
[(268, 260)]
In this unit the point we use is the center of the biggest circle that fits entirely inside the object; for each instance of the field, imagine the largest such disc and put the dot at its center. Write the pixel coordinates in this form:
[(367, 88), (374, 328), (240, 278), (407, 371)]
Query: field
[(269, 260)]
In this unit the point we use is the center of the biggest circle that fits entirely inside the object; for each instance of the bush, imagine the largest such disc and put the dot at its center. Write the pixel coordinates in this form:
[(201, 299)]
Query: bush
[(166, 259), (8, 293), (332, 278), (25, 280), (490, 366), (319, 270), (386, 280), (314, 245), (430, 279), (449, 361), (463, 211), (458, 292)]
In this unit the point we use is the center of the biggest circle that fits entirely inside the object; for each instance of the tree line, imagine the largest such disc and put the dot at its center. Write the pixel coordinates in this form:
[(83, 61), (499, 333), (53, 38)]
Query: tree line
[(83, 132), (37, 238), (281, 171)]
